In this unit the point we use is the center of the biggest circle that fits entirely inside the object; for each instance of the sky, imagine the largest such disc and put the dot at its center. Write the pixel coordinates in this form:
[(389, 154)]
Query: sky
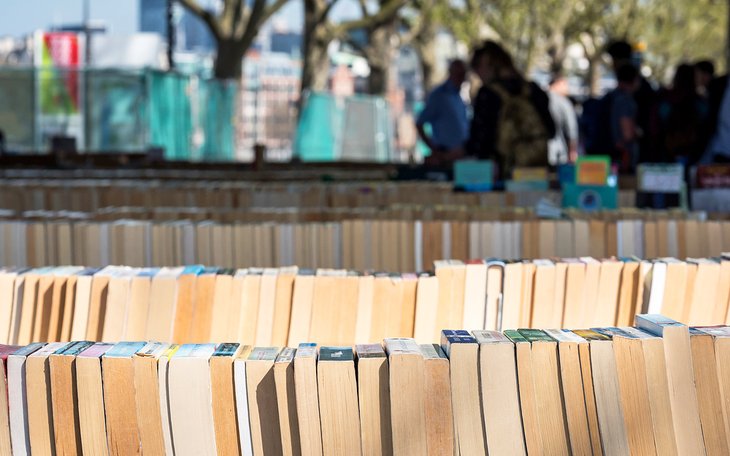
[(22, 17)]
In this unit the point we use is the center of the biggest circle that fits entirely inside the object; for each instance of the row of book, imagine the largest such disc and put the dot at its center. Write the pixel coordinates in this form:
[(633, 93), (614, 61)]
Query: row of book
[(658, 388), (92, 194), (389, 244), (287, 306)]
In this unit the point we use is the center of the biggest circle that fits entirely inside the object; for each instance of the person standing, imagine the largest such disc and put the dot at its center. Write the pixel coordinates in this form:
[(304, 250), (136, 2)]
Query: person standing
[(511, 123), (563, 147), (622, 54), (445, 112), (624, 112)]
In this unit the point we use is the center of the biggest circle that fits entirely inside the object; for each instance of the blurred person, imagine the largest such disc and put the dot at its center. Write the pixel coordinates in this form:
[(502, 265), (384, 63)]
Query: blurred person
[(445, 112), (621, 54), (718, 150), (623, 118), (563, 147), (681, 114), (511, 121), (704, 71)]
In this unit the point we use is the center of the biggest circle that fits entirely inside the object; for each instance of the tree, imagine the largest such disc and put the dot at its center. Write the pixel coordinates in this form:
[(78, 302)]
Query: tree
[(234, 30), (319, 32)]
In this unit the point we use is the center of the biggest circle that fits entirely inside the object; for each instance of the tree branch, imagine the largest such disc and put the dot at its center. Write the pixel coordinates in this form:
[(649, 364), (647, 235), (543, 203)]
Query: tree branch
[(385, 14), (206, 16), (272, 9)]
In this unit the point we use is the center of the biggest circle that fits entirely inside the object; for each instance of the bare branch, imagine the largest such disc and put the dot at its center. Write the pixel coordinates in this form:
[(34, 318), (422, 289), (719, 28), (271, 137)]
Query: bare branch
[(206, 16), (386, 13)]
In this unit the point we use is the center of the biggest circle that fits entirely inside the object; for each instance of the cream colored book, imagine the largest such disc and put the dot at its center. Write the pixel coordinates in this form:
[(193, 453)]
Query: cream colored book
[(709, 393), (680, 374), (634, 390), (267, 306), (190, 400), (548, 395), (543, 300), (658, 387), (463, 352), (338, 403), (119, 394), (163, 364), (407, 396), (64, 398), (163, 296), (147, 397), (475, 292), (222, 389), (117, 305), (139, 302), (571, 380), (608, 397), (38, 393), (286, 402), (301, 307), (80, 316), (18, 398), (427, 292), (282, 304), (499, 393), (374, 399), (90, 390), (7, 291), (307, 399), (439, 411), (262, 406)]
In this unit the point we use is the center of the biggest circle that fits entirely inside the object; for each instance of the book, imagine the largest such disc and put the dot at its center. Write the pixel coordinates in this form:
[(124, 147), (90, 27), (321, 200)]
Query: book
[(307, 398), (463, 353), (241, 393), (499, 393), (163, 364), (190, 398), (64, 398), (373, 386), (38, 396), (680, 375), (18, 399), (262, 404), (439, 411), (286, 401), (5, 444), (338, 408), (117, 370), (90, 391), (709, 392), (148, 397), (223, 397), (526, 385), (407, 396), (548, 399), (571, 381), (658, 388), (633, 390)]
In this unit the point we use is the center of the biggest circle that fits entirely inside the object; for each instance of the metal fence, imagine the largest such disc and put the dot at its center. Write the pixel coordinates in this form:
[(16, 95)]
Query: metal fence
[(115, 110)]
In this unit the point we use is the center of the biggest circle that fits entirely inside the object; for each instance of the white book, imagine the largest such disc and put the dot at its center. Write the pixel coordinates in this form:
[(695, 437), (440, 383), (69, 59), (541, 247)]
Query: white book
[(190, 400), (244, 424), (475, 295), (17, 399), (656, 290)]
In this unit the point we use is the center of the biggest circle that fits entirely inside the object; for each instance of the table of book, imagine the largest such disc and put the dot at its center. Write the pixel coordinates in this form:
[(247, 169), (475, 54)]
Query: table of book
[(658, 387)]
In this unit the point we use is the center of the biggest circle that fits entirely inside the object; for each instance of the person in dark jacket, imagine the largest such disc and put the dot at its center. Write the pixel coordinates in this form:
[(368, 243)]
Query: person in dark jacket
[(519, 135)]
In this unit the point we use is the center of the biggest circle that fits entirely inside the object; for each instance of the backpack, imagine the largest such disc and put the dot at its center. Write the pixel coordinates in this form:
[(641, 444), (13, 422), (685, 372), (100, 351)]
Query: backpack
[(522, 138)]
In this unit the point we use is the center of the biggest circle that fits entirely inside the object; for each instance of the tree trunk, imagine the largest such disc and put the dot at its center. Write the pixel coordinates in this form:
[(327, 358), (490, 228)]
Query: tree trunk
[(229, 59), (425, 46), (316, 64), (379, 54)]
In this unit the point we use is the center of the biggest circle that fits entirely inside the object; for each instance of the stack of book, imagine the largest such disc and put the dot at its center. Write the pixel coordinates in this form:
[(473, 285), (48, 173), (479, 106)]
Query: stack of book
[(287, 306), (75, 193), (391, 240), (659, 387)]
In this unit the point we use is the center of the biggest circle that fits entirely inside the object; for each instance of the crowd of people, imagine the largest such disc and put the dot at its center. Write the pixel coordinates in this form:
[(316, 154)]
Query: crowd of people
[(516, 123)]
